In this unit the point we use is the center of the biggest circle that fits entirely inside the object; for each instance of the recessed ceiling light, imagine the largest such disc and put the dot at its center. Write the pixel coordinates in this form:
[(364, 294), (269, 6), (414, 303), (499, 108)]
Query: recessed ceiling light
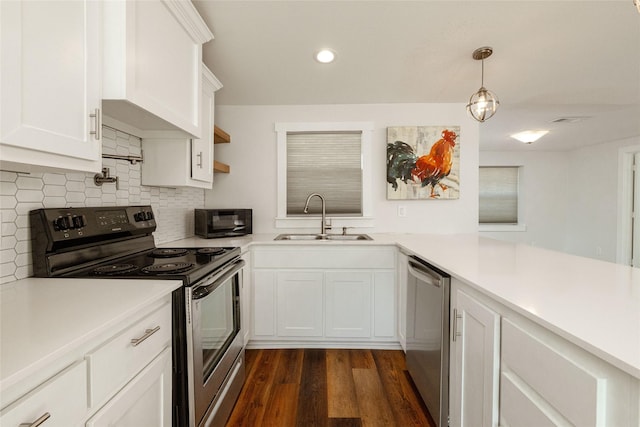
[(529, 136), (325, 56)]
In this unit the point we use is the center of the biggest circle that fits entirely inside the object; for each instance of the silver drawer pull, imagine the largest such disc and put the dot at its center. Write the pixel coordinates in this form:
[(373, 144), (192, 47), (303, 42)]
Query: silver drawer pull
[(37, 422), (147, 334)]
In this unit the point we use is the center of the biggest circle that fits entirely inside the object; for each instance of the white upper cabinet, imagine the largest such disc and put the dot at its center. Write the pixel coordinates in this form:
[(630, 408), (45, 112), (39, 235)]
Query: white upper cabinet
[(181, 161), (151, 64), (50, 85)]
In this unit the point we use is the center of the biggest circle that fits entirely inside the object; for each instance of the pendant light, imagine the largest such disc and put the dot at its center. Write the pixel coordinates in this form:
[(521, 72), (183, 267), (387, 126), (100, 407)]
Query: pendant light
[(482, 104)]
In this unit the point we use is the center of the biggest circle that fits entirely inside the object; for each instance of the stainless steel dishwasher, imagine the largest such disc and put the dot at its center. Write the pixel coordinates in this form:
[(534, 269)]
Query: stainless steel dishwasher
[(428, 291)]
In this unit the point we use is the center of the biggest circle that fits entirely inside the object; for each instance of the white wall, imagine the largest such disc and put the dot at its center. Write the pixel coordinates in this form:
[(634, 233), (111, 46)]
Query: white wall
[(569, 199), (542, 202), (252, 182), (593, 200)]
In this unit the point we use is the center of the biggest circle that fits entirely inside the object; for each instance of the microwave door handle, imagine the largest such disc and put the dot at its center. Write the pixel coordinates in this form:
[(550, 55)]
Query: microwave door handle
[(212, 282)]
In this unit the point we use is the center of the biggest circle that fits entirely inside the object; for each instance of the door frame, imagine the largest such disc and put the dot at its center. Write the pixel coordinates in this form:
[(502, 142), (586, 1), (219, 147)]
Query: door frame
[(625, 204)]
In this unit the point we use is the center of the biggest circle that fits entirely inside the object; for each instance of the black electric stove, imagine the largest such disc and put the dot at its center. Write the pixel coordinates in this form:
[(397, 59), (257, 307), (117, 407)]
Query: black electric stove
[(117, 242), (114, 242)]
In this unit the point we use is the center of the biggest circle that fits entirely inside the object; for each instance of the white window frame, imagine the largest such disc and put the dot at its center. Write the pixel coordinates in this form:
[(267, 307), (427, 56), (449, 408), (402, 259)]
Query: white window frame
[(366, 220), (520, 226)]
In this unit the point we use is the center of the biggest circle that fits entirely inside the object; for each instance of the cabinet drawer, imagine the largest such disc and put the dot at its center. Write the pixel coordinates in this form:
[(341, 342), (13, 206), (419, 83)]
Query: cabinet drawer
[(517, 408), (333, 256), (63, 397), (113, 364), (554, 376)]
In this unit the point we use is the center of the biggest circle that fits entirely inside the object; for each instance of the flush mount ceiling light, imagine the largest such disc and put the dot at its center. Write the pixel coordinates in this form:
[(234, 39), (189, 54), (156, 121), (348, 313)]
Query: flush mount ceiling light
[(325, 56), (529, 136), (482, 104)]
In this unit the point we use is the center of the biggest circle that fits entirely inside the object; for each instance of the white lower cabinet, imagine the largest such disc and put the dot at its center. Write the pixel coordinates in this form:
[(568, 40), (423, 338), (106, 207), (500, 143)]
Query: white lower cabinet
[(121, 378), (508, 371), (475, 350), (336, 294), (545, 380), (144, 401)]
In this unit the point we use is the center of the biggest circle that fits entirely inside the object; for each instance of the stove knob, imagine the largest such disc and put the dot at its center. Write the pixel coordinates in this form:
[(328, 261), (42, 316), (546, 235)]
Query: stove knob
[(61, 223), (148, 216), (138, 216), (78, 221)]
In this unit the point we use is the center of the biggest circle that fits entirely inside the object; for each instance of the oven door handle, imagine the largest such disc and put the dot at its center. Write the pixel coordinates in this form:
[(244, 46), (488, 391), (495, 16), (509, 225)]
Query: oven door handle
[(212, 282)]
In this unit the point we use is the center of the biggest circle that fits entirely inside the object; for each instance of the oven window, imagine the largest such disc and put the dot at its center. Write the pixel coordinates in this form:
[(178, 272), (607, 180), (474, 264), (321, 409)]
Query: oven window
[(219, 323)]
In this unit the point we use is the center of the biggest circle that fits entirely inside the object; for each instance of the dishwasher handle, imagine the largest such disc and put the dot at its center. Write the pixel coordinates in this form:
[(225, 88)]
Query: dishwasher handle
[(424, 274)]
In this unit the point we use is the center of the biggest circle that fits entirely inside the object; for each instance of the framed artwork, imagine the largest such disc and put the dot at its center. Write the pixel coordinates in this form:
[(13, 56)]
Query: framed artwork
[(423, 162)]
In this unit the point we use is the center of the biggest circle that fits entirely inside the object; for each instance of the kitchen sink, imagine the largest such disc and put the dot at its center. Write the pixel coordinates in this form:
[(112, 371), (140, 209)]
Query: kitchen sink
[(343, 237)]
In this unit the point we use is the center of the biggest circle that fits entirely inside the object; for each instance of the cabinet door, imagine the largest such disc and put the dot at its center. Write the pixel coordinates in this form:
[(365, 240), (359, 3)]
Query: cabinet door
[(300, 303), (50, 54), (384, 304), (348, 304), (202, 148), (144, 401), (474, 362), (264, 303)]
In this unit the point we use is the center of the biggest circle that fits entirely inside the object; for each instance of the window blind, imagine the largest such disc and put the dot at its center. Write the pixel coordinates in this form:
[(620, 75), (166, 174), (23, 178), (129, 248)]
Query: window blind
[(498, 195), (328, 163)]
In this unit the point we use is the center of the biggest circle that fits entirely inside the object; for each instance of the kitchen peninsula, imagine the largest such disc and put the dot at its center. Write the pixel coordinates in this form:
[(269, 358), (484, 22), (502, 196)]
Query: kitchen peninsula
[(578, 309)]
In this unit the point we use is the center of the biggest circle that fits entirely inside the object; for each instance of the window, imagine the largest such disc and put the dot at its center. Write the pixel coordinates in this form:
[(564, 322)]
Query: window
[(498, 189), (328, 163), (332, 159)]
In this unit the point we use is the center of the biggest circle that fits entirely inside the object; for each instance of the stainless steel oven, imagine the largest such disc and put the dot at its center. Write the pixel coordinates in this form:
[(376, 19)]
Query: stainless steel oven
[(215, 353)]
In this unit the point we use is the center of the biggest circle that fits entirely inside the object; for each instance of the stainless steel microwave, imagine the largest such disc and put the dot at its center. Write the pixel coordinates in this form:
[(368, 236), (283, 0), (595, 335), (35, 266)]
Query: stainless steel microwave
[(215, 223)]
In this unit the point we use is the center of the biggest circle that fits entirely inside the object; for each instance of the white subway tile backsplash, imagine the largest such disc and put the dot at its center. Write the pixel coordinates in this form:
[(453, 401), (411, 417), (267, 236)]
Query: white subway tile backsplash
[(29, 183), (21, 193), (29, 195), (8, 188), (54, 179)]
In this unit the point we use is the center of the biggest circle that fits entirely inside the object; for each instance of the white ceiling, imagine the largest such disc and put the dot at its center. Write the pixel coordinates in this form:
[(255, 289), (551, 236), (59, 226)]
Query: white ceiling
[(551, 59)]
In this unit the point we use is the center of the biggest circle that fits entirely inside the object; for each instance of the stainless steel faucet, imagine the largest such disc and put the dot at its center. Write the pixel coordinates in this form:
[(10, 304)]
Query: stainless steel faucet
[(323, 225)]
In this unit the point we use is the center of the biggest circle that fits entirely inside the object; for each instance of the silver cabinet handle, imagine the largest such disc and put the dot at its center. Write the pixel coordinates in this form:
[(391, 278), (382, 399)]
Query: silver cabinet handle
[(199, 156), (97, 120), (147, 334), (37, 422), (456, 316)]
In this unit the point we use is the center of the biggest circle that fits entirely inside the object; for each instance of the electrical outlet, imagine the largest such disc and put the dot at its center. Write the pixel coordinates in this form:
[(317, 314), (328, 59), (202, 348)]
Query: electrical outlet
[(402, 211)]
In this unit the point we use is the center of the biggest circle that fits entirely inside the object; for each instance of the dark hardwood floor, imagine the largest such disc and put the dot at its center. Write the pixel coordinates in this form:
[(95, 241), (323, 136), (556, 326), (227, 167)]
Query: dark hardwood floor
[(332, 388)]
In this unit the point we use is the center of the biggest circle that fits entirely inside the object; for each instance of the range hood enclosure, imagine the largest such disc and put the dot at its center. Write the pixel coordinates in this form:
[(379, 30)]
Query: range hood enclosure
[(152, 58)]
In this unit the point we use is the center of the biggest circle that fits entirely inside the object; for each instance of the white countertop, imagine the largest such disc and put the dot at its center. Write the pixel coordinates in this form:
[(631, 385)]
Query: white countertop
[(593, 304), (42, 319)]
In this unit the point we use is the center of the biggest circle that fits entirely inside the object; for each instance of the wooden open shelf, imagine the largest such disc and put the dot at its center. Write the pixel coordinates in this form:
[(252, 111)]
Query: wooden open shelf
[(220, 136), (221, 167)]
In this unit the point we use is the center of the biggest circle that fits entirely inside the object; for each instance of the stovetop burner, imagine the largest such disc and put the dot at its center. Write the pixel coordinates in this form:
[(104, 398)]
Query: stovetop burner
[(167, 268), (168, 252), (114, 269)]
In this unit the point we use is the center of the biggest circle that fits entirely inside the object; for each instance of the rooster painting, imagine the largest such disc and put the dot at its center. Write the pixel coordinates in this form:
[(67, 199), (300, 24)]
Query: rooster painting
[(406, 166)]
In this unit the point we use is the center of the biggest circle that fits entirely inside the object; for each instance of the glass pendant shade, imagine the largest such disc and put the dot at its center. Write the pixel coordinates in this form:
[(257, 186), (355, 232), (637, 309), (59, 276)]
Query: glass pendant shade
[(482, 105)]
